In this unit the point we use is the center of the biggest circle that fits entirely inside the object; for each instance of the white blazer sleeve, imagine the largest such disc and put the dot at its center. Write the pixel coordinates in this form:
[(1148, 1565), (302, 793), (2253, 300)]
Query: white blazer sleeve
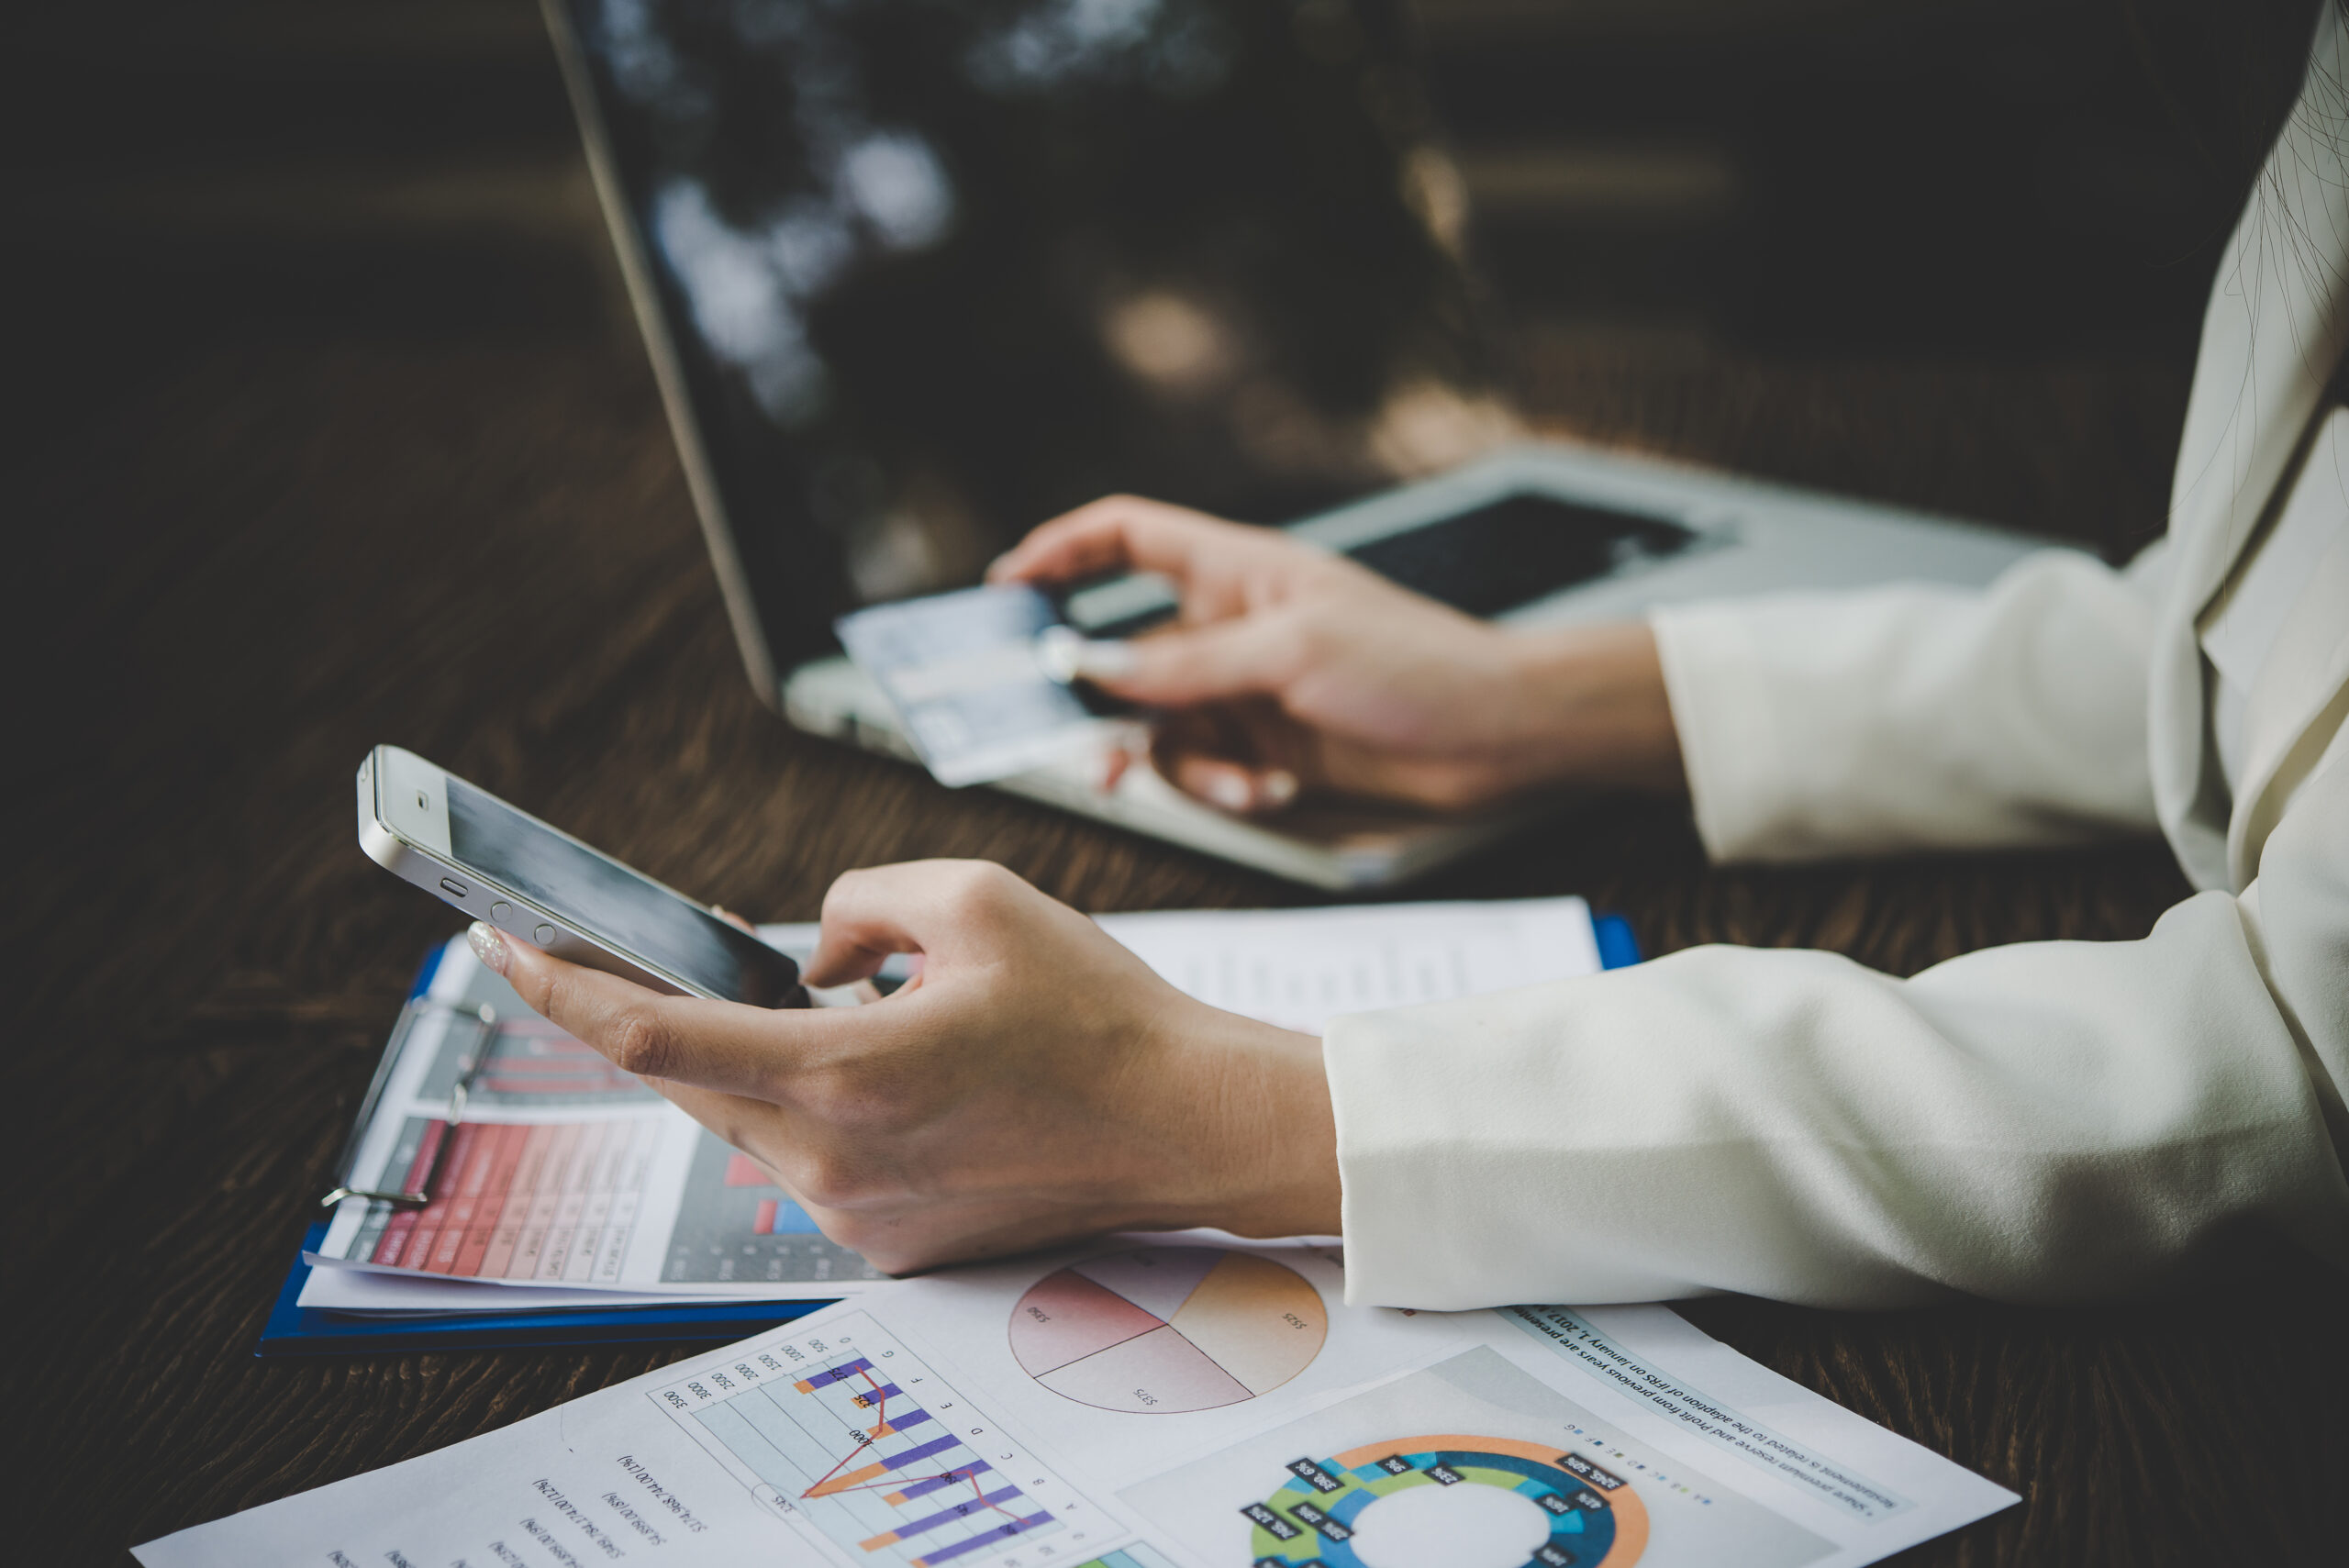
[(1915, 717), (2047, 1121)]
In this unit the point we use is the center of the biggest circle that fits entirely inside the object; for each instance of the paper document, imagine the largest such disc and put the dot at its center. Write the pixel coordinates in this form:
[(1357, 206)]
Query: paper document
[(566, 1182), (1299, 968), (380, 1293), (563, 1173), (1165, 1402)]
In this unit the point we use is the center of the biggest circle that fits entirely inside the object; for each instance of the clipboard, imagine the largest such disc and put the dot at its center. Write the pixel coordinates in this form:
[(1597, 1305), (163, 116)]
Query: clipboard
[(293, 1329), (296, 1330)]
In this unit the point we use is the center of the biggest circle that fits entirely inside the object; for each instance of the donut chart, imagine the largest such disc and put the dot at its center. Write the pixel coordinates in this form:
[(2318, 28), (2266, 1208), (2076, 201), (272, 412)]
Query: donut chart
[(1593, 1518), (1162, 1330)]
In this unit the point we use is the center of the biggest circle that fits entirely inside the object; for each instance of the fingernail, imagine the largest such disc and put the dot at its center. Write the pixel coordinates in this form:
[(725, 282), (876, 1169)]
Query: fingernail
[(1278, 788), (488, 946), (1108, 660), (1067, 654), (1228, 790), (1056, 651)]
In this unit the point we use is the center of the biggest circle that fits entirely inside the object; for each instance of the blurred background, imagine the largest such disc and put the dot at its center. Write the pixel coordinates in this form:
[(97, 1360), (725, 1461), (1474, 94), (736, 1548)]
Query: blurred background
[(1670, 177), (302, 288), (287, 275)]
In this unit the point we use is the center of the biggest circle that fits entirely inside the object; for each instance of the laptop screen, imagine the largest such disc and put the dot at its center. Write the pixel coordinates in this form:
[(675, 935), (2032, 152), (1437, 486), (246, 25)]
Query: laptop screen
[(933, 271)]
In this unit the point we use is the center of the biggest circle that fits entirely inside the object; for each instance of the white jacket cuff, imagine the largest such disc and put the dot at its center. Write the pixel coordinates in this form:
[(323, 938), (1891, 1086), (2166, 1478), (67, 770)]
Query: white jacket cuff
[(1910, 716), (2047, 1121)]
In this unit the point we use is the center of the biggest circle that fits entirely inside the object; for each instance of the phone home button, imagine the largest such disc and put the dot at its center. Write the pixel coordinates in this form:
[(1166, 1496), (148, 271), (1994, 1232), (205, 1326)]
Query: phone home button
[(543, 935), (501, 911)]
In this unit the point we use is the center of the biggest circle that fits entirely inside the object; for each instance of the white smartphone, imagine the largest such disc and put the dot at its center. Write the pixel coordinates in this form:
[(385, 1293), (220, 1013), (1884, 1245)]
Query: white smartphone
[(469, 848)]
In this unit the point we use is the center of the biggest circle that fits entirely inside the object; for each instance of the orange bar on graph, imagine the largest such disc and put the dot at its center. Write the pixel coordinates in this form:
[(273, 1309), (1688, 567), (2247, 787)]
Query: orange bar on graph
[(843, 1483)]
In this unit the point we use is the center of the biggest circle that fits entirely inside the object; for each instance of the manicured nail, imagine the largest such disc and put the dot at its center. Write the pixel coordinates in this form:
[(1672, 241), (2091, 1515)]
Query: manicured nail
[(1106, 660), (1278, 788), (1067, 654), (1056, 651), (1229, 790), (488, 946)]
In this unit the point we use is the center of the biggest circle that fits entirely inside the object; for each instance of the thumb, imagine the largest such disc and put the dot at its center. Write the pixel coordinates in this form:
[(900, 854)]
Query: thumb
[(941, 910), (1247, 656)]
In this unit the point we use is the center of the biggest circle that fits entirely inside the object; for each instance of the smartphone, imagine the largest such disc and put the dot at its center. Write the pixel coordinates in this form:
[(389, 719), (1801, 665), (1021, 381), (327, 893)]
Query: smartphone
[(469, 848)]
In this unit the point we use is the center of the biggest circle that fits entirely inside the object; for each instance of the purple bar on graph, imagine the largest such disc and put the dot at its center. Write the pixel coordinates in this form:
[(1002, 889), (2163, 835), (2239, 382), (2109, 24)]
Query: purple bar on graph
[(954, 1477), (839, 1374), (948, 1554), (898, 1423), (939, 1445), (873, 1396), (962, 1511)]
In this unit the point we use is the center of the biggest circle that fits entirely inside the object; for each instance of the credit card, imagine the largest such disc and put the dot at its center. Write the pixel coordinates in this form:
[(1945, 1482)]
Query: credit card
[(972, 690)]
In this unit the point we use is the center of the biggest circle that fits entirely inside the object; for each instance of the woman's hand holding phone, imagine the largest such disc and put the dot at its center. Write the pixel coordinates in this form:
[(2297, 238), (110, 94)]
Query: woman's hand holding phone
[(1036, 1083)]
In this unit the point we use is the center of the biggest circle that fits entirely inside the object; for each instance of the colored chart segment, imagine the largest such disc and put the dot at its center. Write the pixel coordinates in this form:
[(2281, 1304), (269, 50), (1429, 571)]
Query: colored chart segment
[(1162, 1330), (545, 1201), (526, 1061), (1389, 1505), (734, 1224), (853, 1435)]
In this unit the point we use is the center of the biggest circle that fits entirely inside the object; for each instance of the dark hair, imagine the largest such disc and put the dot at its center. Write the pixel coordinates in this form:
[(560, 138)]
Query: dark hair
[(2226, 70)]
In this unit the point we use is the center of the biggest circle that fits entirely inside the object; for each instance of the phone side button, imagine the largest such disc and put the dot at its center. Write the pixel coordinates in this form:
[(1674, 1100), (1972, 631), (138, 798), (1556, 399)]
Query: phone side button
[(455, 889), (543, 935), (501, 912)]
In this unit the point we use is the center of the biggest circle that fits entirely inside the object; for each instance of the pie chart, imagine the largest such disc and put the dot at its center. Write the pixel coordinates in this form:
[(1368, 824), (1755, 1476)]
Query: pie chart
[(1452, 1501), (1160, 1330)]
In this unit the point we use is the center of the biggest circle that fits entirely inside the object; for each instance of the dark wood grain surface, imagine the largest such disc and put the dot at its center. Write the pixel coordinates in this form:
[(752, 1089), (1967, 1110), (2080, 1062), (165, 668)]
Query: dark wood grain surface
[(271, 558), (239, 557)]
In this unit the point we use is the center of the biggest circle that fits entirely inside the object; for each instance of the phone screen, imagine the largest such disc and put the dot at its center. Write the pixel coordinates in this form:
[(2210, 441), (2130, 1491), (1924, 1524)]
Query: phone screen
[(1513, 551), (607, 899)]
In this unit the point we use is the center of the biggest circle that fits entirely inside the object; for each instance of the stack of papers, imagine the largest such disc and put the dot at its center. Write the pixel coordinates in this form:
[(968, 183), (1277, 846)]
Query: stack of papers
[(1185, 1401), (1192, 1400), (564, 1183)]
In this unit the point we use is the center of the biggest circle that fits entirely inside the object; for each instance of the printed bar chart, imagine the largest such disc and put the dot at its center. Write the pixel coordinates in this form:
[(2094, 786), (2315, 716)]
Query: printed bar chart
[(733, 1224), (546, 1201), (849, 1432)]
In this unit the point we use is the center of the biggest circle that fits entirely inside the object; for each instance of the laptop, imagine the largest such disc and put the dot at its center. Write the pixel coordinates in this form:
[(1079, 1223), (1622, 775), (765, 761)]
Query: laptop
[(915, 277)]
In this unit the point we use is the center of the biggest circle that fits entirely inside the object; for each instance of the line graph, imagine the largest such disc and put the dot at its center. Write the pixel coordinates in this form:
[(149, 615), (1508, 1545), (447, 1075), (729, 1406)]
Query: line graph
[(847, 1432), (891, 1476)]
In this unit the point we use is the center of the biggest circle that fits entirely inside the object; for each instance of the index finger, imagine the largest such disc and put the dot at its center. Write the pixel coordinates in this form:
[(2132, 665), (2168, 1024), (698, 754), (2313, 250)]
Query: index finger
[(725, 1046), (1119, 533)]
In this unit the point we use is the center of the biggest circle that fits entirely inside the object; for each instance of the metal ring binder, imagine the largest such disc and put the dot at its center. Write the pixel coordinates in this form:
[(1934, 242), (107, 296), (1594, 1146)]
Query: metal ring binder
[(484, 1018)]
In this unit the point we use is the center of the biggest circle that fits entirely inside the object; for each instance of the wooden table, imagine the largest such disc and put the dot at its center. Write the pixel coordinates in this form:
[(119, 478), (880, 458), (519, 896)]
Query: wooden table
[(263, 558)]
